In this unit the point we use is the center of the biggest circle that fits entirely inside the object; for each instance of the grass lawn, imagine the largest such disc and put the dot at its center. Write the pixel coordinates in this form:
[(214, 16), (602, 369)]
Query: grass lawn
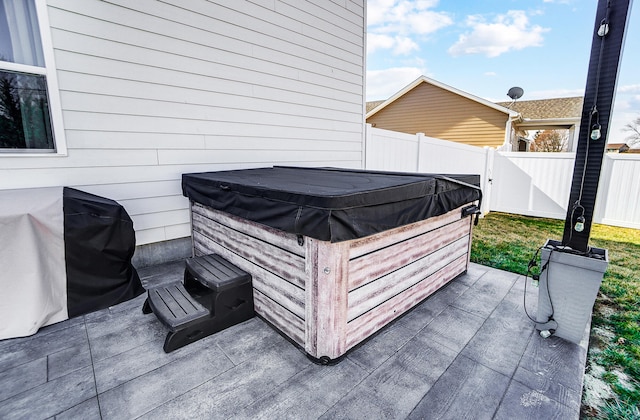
[(612, 380)]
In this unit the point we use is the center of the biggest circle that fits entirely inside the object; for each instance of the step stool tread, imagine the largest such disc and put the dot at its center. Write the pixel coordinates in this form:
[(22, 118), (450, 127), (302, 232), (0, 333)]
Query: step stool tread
[(173, 305), (216, 273)]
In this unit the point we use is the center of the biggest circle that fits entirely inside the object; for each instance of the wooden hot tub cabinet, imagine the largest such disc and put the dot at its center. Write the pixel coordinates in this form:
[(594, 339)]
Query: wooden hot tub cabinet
[(328, 297)]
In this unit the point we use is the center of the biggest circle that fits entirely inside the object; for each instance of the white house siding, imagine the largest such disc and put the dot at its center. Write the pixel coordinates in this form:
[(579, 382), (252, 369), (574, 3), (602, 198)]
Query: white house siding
[(153, 89)]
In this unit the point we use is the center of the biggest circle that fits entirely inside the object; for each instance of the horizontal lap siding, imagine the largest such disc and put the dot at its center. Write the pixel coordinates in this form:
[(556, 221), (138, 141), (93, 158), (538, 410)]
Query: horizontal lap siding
[(411, 262), (276, 237), (445, 115), (153, 89), (388, 260), (278, 274), (372, 321), (382, 289), (275, 260), (282, 319), (384, 239)]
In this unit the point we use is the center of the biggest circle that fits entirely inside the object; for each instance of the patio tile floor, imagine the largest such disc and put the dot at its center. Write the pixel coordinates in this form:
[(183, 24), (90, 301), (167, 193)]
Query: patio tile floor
[(468, 351)]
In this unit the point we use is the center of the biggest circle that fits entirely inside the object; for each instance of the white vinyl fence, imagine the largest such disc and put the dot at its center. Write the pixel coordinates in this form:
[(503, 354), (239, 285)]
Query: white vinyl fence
[(533, 184)]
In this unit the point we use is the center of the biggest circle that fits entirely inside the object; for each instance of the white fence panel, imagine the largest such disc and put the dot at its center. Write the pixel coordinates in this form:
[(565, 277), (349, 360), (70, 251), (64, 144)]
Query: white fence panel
[(391, 151), (533, 184), (446, 157), (442, 156), (618, 201), (394, 151)]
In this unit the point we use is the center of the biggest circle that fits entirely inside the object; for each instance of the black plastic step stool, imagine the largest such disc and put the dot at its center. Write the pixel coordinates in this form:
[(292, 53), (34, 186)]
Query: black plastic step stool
[(215, 295)]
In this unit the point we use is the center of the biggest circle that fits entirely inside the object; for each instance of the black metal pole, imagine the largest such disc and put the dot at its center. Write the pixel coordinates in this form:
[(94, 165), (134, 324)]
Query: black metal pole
[(606, 51)]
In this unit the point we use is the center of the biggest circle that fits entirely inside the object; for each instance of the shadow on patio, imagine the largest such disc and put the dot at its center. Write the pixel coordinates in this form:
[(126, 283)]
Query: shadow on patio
[(468, 351)]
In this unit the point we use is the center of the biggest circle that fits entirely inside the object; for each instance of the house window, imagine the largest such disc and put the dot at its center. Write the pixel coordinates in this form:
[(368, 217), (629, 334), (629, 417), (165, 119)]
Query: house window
[(25, 91), (522, 145)]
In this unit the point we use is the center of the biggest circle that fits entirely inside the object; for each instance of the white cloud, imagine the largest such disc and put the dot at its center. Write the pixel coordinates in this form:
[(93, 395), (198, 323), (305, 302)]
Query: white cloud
[(377, 11), (629, 89), (619, 119), (379, 42), (399, 45), (507, 32), (404, 46), (378, 81), (401, 21), (490, 73)]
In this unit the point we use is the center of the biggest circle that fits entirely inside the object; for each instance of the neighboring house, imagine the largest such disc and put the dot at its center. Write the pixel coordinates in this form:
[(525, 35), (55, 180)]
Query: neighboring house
[(437, 110), (617, 148), (548, 114), (140, 92)]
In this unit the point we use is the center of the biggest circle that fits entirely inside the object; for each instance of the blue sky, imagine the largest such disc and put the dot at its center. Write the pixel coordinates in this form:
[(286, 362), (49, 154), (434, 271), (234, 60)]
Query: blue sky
[(485, 47)]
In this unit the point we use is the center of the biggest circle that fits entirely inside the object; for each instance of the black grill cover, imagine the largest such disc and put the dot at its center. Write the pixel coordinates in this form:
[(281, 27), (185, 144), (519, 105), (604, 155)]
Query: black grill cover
[(330, 204), (99, 244)]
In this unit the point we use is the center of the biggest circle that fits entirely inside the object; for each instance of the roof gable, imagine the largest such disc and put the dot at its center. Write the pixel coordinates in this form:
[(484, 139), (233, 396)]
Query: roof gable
[(424, 79)]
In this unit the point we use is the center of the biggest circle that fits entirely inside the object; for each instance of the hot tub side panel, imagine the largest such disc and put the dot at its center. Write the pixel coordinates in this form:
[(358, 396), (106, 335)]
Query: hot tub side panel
[(357, 287), (328, 297), (274, 259)]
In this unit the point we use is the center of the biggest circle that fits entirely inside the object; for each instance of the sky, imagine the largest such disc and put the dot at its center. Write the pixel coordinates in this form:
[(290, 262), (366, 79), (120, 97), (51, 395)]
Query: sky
[(486, 47)]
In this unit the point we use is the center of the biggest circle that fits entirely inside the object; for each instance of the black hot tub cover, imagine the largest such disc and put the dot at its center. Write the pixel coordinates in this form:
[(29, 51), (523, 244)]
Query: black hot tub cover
[(330, 204)]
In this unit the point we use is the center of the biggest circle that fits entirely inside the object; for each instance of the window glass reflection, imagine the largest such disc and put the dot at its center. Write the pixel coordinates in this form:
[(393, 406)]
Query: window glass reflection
[(24, 112)]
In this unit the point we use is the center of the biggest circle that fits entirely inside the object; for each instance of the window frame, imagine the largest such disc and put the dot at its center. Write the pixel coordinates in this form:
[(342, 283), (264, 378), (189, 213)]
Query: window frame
[(53, 92)]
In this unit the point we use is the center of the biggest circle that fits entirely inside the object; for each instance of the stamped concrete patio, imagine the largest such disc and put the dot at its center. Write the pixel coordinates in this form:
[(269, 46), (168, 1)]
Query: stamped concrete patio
[(468, 351)]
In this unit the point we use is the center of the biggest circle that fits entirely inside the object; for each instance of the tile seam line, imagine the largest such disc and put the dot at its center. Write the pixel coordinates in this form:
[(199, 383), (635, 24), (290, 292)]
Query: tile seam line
[(191, 389), (93, 368), (513, 374)]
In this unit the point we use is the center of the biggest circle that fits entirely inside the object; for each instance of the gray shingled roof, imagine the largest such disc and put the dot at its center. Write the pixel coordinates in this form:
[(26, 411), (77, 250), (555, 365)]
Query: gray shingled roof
[(373, 104), (536, 109), (547, 108)]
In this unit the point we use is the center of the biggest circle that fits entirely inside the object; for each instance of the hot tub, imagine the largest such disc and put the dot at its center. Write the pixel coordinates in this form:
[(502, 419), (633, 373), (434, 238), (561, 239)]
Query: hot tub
[(335, 254)]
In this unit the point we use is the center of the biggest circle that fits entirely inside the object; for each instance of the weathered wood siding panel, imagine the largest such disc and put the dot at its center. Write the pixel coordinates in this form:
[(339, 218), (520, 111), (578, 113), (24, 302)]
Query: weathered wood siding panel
[(362, 327), (279, 276), (380, 290), (361, 271), (153, 89), (439, 113), (325, 296), (262, 254), (411, 262), (281, 239), (282, 319)]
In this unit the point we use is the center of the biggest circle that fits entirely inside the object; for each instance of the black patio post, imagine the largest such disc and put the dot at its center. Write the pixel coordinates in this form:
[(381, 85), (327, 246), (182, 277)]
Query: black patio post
[(606, 52)]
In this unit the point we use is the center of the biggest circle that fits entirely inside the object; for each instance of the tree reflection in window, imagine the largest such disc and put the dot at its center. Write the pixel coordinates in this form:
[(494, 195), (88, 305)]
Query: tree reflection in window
[(24, 112)]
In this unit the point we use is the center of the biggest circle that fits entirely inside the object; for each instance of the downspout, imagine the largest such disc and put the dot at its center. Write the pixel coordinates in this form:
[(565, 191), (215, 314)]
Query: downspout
[(366, 128), (506, 146)]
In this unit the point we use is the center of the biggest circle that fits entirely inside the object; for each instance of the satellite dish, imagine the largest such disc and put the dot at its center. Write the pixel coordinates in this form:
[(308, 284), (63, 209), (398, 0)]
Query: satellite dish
[(515, 93)]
